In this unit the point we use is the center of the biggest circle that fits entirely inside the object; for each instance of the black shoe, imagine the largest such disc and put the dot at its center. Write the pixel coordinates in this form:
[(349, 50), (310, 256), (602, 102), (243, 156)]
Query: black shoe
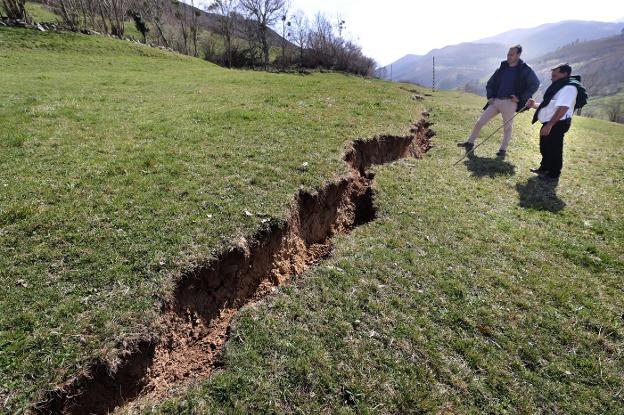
[(539, 171), (468, 146), (501, 154)]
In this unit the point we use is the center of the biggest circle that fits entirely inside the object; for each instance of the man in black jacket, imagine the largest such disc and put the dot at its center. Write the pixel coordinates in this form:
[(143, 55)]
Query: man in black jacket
[(508, 91)]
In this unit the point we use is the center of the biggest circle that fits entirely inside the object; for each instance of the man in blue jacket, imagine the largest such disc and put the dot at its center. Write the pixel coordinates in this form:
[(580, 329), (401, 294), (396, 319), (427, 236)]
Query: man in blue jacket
[(508, 91)]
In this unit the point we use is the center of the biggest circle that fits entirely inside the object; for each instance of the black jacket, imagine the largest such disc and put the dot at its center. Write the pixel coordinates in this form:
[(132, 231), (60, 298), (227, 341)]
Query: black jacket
[(526, 84), (581, 97)]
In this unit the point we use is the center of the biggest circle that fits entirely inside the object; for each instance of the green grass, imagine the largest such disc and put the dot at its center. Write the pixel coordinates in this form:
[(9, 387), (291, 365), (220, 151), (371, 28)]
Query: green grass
[(123, 165), (41, 13), (476, 290)]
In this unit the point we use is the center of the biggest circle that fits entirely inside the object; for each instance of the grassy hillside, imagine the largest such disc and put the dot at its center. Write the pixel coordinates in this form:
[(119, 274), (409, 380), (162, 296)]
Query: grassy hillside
[(41, 13), (123, 165), (476, 290)]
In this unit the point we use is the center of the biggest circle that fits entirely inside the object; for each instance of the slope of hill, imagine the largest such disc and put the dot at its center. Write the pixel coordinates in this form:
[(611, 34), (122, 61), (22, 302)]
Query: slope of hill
[(546, 38), (600, 62), (127, 170), (123, 165), (403, 68), (208, 21)]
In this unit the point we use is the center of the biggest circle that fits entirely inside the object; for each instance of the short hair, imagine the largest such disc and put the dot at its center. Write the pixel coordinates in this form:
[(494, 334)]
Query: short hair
[(518, 48), (564, 68)]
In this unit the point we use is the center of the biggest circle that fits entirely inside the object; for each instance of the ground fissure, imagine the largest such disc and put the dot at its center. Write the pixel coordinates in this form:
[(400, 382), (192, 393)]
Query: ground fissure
[(195, 322)]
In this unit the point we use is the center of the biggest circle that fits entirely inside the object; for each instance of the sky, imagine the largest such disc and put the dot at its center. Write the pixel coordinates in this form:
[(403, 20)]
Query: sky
[(390, 29)]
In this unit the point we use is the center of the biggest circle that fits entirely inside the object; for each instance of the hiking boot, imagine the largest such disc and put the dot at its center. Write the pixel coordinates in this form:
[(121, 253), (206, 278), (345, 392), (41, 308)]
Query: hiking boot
[(467, 145), (501, 154)]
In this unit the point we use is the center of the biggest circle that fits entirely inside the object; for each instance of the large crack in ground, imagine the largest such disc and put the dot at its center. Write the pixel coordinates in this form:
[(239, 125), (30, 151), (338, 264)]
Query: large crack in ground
[(195, 322)]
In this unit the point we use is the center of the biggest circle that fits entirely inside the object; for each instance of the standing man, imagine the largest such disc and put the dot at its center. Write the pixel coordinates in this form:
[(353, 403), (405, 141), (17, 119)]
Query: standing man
[(562, 97), (507, 91)]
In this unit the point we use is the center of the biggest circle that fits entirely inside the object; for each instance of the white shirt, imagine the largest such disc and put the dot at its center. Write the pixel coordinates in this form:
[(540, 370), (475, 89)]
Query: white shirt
[(565, 97)]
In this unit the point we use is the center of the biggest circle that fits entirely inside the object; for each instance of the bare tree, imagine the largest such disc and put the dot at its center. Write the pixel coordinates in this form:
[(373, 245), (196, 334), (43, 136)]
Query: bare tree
[(194, 26), (154, 11), (265, 13), (109, 13), (15, 9), (321, 42), (101, 8), (300, 32), (70, 11), (181, 15), (285, 33), (117, 10), (226, 11), (90, 12), (614, 109)]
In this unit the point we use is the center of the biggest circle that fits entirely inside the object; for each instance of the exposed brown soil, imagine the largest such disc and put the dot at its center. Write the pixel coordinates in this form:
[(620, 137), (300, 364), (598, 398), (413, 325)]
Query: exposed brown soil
[(195, 321)]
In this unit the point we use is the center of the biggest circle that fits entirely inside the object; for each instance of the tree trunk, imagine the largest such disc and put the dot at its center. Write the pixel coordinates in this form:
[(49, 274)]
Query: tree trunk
[(160, 32), (265, 44), (103, 16), (228, 49)]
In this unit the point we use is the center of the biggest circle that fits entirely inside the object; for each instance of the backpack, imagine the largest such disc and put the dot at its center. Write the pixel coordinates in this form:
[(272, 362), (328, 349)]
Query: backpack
[(581, 96)]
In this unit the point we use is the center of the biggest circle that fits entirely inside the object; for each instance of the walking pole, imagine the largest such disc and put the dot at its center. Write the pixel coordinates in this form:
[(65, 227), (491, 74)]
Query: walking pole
[(490, 136)]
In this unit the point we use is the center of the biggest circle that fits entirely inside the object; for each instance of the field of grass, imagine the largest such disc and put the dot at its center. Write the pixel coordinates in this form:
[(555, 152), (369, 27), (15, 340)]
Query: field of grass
[(476, 290), (124, 165), (41, 13)]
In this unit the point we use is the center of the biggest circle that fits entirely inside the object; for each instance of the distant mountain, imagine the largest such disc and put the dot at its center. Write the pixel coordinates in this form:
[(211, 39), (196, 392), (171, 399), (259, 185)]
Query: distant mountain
[(456, 65), (542, 39), (600, 63), (468, 65), (403, 67)]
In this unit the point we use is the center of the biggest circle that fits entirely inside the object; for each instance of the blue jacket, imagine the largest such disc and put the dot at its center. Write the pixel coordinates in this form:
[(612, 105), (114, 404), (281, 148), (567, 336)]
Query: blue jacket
[(526, 84)]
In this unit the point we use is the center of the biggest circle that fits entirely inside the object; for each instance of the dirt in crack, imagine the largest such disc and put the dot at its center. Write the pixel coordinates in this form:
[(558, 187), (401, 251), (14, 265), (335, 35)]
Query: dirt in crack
[(195, 322)]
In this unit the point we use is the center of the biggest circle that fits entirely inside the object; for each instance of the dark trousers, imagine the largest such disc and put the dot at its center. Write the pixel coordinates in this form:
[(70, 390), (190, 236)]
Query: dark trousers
[(551, 148)]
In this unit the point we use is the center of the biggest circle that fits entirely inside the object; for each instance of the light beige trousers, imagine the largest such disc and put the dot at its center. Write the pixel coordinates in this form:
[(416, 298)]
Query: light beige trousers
[(507, 108)]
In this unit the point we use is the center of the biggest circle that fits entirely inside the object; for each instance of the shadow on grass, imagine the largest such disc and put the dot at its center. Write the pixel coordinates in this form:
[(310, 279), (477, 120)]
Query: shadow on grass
[(540, 195), (489, 167)]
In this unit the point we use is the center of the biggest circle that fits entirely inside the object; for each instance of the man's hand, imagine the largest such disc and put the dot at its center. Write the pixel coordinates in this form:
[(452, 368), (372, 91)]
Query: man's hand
[(532, 104), (515, 99), (491, 101), (545, 131)]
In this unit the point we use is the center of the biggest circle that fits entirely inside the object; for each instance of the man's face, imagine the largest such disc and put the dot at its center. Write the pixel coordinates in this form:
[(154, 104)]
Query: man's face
[(555, 75), (512, 56)]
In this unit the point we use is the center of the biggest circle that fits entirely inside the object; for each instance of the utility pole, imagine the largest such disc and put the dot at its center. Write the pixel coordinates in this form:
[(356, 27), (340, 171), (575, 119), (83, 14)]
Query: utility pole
[(433, 83)]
